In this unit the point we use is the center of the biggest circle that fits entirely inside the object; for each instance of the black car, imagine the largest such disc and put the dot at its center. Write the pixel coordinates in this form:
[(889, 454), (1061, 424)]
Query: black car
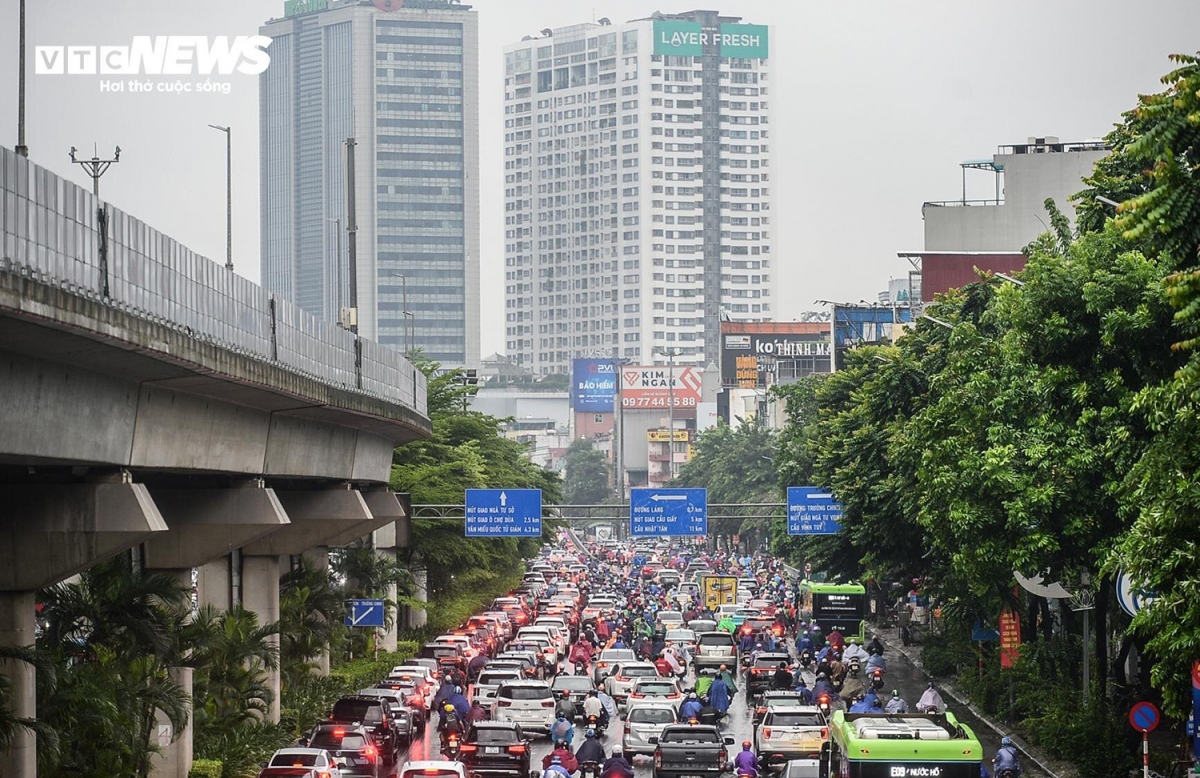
[(353, 744), (406, 725), (762, 670), (373, 714), (495, 748), (449, 656), (577, 686)]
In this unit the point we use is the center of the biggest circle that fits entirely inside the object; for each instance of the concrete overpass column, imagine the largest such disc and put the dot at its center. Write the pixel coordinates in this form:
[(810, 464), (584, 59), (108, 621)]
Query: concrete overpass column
[(418, 618), (17, 628), (260, 593), (318, 559), (388, 539), (213, 583), (174, 759)]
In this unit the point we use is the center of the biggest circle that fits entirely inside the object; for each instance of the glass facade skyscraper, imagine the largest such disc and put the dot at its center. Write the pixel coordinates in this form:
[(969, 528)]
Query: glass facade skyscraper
[(403, 83)]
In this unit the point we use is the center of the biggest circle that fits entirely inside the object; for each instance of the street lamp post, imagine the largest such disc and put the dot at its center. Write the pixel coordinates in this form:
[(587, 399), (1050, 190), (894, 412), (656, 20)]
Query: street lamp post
[(228, 194), (21, 149), (407, 314), (337, 265)]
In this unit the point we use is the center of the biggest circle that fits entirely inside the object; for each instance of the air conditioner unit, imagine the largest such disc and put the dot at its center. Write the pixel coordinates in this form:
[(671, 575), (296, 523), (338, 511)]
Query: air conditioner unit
[(349, 318)]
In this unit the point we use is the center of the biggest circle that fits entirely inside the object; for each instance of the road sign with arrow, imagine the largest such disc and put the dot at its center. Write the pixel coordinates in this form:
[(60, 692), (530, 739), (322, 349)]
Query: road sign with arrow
[(365, 613), (668, 512), (503, 512)]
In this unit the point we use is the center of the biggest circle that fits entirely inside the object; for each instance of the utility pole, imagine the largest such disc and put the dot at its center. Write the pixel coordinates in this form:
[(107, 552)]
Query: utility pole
[(352, 229), (337, 264), (228, 194), (21, 149), (96, 167)]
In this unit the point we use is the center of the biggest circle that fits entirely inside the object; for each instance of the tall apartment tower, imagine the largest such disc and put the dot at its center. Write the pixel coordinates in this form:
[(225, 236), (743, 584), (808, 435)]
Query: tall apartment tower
[(402, 79), (637, 189)]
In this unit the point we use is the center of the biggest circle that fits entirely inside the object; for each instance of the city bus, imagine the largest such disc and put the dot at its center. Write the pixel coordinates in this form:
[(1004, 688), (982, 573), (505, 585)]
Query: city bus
[(909, 745), (835, 606)]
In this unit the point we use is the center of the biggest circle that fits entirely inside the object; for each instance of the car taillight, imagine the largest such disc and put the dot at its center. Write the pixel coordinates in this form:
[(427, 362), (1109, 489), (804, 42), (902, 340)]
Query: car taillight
[(628, 729), (547, 703), (602, 664), (658, 760), (339, 733), (723, 756), (468, 747), (767, 732), (516, 749), (824, 733), (369, 752), (504, 703), (760, 711)]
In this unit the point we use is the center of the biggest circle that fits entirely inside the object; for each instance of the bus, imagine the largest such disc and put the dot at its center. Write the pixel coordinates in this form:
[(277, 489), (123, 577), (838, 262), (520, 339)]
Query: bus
[(835, 606), (909, 745)]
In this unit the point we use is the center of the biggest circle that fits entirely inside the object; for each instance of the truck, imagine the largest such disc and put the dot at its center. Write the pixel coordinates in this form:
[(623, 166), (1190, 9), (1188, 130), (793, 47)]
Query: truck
[(718, 590), (690, 750)]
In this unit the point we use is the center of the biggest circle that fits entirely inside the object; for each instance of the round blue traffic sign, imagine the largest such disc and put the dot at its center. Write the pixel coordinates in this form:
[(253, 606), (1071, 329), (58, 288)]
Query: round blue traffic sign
[(1144, 717)]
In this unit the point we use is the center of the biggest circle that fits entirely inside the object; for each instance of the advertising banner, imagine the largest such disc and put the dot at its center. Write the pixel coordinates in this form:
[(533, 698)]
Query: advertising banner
[(1010, 637), (593, 385), (654, 387), (678, 38), (750, 360)]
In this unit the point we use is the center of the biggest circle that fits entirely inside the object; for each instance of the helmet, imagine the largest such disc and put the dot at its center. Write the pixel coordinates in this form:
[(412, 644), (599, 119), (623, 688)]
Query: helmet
[(618, 748), (783, 665), (560, 743), (745, 745), (895, 693), (591, 733), (447, 707), (458, 690), (691, 695), (1006, 741)]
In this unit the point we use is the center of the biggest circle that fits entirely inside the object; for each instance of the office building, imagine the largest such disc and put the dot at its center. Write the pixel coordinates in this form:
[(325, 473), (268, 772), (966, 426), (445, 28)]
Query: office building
[(403, 83), (637, 189)]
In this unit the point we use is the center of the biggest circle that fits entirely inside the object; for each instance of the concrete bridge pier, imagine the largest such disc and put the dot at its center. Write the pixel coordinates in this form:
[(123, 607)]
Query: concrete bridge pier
[(53, 531), (206, 524), (389, 538)]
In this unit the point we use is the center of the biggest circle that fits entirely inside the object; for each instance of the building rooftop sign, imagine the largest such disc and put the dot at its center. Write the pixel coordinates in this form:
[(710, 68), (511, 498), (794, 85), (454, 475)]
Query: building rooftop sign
[(680, 38)]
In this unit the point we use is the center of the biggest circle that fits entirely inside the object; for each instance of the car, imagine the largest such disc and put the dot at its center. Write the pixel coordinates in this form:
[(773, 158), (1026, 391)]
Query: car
[(669, 619), (690, 750), (702, 625), (449, 656), (658, 688), (714, 649), (501, 618), (495, 748), (531, 652), (775, 700), (468, 646), (544, 638), (426, 680), (431, 769), (791, 733), (801, 768), (353, 745), (375, 716), (577, 686), (528, 703), (618, 684), (302, 763), (644, 720), (529, 661), (761, 671), (405, 720), (682, 637), (748, 585), (483, 690), (740, 615), (607, 660)]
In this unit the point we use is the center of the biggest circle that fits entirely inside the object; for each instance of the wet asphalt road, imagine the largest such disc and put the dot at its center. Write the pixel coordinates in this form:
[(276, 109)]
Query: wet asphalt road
[(900, 675)]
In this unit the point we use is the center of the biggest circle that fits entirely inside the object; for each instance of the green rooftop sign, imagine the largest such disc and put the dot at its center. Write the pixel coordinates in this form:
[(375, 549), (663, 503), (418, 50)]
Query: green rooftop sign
[(678, 38)]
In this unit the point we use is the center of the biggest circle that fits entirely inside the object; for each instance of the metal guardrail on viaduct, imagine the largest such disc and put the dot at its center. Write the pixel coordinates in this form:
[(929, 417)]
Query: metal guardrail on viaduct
[(152, 400)]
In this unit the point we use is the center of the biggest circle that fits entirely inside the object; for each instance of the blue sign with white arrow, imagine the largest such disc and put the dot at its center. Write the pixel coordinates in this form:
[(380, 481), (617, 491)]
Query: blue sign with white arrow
[(365, 613), (668, 512), (812, 511), (503, 513)]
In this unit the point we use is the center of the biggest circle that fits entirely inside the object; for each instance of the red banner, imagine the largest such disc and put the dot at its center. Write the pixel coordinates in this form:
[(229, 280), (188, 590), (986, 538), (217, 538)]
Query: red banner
[(1010, 637)]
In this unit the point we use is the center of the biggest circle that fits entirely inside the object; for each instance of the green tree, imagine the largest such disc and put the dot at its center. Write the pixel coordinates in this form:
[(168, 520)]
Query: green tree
[(585, 477), (736, 466)]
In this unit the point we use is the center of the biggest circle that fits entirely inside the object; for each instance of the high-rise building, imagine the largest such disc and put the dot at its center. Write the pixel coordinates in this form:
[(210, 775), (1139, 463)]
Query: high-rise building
[(637, 189), (401, 79)]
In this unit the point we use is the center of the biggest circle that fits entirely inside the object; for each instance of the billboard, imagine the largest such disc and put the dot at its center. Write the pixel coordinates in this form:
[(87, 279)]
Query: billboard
[(756, 355), (656, 387), (679, 38), (593, 385)]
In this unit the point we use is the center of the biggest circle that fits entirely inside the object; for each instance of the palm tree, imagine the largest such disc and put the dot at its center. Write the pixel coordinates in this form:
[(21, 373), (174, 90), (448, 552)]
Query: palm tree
[(309, 618), (10, 723), (231, 652)]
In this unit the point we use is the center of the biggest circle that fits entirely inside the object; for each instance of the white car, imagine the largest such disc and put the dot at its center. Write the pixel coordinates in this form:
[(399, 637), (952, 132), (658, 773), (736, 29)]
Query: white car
[(528, 703), (540, 637), (618, 684), (423, 675), (665, 689), (469, 650), (484, 689), (607, 661), (431, 769), (322, 760), (645, 720), (506, 625)]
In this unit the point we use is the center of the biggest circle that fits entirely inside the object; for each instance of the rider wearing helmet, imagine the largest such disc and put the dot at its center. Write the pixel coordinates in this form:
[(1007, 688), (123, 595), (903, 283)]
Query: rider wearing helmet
[(746, 763), (1006, 758), (590, 750), (561, 755), (617, 765), (554, 768), (690, 709)]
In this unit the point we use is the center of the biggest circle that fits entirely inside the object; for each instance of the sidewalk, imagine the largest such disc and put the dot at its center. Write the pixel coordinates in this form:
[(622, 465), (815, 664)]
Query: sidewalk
[(1055, 768)]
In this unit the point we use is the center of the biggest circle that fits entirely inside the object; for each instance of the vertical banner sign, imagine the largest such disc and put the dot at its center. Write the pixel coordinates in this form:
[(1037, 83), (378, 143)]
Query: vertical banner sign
[(1010, 637), (1196, 712)]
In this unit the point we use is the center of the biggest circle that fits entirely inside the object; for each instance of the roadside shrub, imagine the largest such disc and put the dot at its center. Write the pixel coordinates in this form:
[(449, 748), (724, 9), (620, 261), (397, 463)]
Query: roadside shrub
[(205, 768)]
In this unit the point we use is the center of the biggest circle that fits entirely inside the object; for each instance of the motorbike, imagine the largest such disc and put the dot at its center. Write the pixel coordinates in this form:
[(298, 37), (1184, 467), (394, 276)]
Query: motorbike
[(824, 704), (877, 679), (597, 723), (806, 657), (1007, 773), (580, 668), (855, 665), (589, 770), (450, 746)]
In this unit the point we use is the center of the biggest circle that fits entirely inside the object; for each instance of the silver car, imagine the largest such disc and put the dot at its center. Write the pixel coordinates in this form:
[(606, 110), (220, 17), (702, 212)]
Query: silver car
[(618, 684), (608, 660), (483, 690), (643, 721)]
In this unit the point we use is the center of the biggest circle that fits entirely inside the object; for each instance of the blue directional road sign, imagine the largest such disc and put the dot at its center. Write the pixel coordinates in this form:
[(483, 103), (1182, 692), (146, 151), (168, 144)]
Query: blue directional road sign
[(812, 511), (668, 512), (365, 613), (504, 513)]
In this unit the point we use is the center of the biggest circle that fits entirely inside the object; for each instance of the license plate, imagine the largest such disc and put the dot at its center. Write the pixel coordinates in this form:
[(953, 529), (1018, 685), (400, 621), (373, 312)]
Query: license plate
[(491, 749)]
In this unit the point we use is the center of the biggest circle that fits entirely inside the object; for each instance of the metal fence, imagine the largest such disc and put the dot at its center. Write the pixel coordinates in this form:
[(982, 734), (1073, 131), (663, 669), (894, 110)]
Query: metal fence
[(51, 232)]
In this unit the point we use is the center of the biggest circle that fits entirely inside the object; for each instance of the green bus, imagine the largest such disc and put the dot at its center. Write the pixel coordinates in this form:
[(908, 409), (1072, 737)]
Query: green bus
[(835, 606), (909, 745)]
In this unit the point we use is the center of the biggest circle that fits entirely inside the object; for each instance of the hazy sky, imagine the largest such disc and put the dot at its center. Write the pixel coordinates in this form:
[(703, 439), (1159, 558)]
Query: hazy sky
[(875, 104)]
